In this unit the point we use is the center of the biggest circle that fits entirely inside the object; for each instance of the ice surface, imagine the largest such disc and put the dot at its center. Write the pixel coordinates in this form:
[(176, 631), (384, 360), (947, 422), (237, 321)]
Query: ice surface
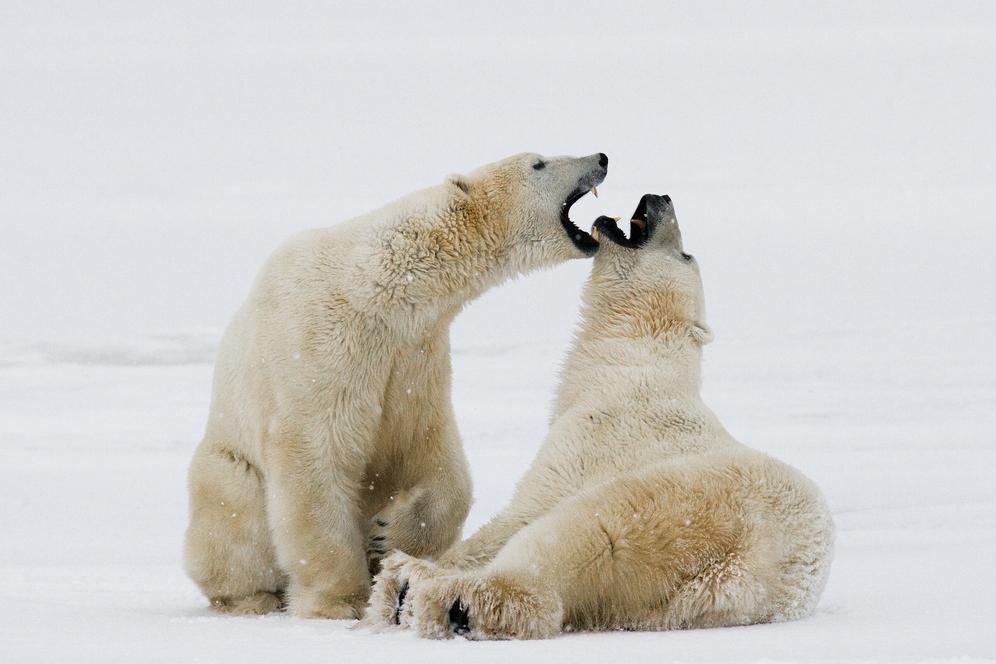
[(833, 171)]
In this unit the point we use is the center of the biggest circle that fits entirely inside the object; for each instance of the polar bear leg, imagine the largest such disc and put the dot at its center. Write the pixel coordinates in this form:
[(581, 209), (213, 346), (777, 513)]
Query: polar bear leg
[(420, 456), (313, 499), (533, 498), (228, 551), (640, 552), (422, 521), (425, 519)]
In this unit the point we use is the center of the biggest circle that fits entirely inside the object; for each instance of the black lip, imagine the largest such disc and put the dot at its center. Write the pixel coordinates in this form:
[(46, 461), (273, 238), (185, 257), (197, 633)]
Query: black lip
[(581, 238), (640, 231), (607, 228)]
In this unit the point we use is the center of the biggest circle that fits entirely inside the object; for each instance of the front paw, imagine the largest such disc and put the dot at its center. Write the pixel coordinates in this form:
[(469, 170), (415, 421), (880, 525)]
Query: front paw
[(379, 542), (484, 608), (388, 597), (399, 526)]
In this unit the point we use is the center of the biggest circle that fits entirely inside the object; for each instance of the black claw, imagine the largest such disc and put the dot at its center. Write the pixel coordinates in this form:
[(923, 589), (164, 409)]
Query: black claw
[(399, 603), (379, 538), (381, 523), (459, 618)]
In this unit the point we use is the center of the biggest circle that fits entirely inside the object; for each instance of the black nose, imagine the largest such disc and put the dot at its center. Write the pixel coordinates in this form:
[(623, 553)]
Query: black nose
[(603, 159), (667, 199)]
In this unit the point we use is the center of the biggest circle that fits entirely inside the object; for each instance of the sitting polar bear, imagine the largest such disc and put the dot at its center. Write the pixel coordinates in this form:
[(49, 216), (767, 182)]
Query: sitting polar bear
[(640, 511), (331, 436)]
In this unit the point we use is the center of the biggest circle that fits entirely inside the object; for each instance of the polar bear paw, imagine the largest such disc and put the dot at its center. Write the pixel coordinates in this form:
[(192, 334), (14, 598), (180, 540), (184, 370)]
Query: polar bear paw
[(399, 526), (318, 605), (388, 596), (493, 607), (256, 604)]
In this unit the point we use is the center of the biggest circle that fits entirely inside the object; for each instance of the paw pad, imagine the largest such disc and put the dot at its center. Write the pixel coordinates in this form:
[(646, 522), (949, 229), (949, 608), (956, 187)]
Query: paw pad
[(399, 602), (459, 618)]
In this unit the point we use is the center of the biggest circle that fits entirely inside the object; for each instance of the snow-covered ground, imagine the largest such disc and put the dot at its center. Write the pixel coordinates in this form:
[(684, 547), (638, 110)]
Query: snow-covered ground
[(833, 171)]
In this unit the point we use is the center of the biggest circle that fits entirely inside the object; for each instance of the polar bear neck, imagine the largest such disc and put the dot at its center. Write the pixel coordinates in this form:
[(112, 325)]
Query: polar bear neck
[(430, 263), (604, 359)]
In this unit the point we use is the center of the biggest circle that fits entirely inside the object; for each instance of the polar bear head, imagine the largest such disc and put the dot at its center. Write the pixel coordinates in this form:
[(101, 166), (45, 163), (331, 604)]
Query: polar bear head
[(646, 285), (523, 202)]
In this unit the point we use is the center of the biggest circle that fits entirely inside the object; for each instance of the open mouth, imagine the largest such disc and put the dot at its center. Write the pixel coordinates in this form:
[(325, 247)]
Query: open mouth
[(641, 225), (581, 239)]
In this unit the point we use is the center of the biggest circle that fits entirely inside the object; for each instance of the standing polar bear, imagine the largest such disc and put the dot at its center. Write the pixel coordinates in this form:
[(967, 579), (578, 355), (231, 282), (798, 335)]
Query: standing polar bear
[(640, 510), (331, 438)]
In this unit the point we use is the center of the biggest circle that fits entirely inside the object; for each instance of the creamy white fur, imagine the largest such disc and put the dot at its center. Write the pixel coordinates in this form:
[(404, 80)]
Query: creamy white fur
[(331, 437), (640, 511)]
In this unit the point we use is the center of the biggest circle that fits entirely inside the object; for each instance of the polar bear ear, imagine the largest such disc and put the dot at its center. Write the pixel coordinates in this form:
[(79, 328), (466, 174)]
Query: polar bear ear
[(459, 181), (702, 333)]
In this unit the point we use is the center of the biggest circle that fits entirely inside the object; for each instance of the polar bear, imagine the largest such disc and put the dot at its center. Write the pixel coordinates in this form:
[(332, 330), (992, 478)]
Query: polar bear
[(331, 438), (640, 511)]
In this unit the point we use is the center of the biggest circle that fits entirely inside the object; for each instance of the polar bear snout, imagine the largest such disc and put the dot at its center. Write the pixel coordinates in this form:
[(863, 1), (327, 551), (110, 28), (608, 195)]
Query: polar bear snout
[(656, 210), (657, 207), (594, 168), (661, 220), (595, 173), (652, 212)]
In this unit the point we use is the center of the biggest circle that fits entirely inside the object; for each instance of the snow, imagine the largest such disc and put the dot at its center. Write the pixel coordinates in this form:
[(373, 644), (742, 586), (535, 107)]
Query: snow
[(832, 171)]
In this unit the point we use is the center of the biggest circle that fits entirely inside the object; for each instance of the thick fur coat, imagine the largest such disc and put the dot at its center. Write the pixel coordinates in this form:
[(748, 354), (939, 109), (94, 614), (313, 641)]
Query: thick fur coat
[(331, 438)]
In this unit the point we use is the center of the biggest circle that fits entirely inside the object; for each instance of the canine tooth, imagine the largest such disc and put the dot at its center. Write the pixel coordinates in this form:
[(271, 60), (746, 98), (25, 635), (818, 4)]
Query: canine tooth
[(594, 190), (595, 234)]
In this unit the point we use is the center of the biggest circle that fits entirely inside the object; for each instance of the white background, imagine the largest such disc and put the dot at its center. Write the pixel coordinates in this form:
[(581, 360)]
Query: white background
[(833, 168)]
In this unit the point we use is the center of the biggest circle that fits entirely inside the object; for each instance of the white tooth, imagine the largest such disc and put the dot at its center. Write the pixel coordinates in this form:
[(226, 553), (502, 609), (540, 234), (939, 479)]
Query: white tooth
[(595, 234), (594, 190), (616, 218)]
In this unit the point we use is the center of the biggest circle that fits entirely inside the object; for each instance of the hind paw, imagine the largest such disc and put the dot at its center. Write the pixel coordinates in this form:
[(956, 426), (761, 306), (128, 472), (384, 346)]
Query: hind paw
[(483, 608)]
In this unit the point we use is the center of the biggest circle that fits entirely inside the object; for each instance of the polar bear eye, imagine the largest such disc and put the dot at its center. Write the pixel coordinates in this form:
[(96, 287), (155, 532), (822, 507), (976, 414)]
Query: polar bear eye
[(539, 165), (687, 257)]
